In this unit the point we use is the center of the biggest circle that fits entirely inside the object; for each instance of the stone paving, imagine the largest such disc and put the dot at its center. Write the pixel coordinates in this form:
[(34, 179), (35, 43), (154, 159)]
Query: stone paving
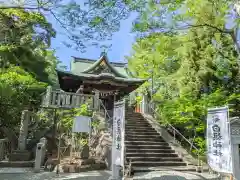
[(175, 175), (27, 174)]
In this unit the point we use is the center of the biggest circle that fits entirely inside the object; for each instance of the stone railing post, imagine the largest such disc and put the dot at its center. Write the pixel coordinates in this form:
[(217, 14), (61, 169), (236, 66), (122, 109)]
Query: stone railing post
[(23, 130), (96, 100), (48, 98), (144, 104)]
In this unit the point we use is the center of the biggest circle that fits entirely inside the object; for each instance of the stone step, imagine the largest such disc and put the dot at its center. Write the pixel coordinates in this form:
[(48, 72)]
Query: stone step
[(137, 135), (154, 163), (138, 127), (134, 115), (134, 119), (143, 133), (16, 163), (150, 154), (133, 127), (149, 143), (149, 150), (139, 124), (140, 131), (155, 159), (18, 155), (144, 146), (127, 119), (146, 138), (164, 168)]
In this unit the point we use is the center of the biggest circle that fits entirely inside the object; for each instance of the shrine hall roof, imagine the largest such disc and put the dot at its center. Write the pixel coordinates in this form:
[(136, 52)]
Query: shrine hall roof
[(90, 69), (80, 65)]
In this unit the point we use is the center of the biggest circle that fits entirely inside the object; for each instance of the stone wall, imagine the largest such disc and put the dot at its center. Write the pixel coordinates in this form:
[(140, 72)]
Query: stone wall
[(102, 142), (103, 150)]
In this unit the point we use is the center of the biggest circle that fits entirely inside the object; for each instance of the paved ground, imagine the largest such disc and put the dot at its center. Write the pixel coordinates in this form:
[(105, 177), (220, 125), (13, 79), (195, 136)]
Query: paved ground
[(27, 174), (175, 175)]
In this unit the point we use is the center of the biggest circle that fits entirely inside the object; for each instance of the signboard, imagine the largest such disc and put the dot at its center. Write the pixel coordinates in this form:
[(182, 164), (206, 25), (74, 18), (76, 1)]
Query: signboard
[(118, 133), (219, 140), (82, 124)]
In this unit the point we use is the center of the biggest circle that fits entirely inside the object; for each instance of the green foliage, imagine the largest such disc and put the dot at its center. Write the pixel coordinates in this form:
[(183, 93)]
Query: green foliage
[(19, 91), (192, 70), (66, 122), (27, 64), (25, 37), (67, 116)]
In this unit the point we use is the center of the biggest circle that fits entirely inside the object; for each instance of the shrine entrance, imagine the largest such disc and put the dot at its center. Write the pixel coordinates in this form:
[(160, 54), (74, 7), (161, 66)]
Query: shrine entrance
[(107, 101)]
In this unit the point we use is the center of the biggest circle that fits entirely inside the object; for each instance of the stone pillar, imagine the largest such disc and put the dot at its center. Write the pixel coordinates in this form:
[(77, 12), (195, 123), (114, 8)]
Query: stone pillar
[(144, 104), (44, 142), (116, 175), (48, 96), (96, 100), (236, 166), (38, 158), (235, 141), (23, 130)]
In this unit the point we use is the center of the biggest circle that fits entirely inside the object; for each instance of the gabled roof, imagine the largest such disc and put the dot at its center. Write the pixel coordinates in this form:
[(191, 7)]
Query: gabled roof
[(81, 65), (104, 60)]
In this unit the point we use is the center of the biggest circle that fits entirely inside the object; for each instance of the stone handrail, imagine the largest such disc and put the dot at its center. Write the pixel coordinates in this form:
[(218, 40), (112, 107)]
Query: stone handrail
[(5, 148), (60, 99)]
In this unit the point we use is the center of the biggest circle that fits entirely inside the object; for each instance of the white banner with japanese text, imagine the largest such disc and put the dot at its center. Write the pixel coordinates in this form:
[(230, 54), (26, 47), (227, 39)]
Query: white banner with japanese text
[(118, 133), (219, 140)]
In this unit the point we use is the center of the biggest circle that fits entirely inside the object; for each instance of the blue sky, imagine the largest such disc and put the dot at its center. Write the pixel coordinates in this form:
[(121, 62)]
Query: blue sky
[(121, 45)]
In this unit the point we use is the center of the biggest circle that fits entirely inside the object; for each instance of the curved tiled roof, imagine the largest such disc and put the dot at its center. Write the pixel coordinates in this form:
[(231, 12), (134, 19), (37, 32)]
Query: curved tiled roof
[(100, 76), (82, 65), (98, 62)]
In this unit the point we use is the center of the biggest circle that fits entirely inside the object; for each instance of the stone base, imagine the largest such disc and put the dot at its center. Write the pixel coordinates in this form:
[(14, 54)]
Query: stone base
[(18, 155), (16, 164), (80, 165)]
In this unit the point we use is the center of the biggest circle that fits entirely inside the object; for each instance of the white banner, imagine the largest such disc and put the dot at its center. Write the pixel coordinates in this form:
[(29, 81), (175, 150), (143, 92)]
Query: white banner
[(219, 140), (118, 133), (82, 124)]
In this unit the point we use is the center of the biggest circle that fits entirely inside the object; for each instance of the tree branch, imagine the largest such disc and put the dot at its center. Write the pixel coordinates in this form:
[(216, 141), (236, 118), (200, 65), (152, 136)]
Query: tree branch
[(225, 31), (20, 7)]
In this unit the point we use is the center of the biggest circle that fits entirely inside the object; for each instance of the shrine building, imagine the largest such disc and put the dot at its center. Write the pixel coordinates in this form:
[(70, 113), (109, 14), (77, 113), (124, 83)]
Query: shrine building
[(111, 79)]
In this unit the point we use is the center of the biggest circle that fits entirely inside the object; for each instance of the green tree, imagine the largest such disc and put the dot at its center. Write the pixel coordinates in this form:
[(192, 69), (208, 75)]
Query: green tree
[(202, 59), (19, 91), (25, 37)]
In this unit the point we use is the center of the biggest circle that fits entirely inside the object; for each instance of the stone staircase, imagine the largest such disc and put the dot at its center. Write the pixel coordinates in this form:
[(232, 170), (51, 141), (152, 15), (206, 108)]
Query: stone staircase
[(145, 147)]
